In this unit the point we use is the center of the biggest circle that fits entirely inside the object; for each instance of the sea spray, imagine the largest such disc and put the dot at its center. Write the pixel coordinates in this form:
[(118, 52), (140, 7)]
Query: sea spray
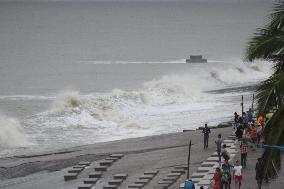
[(11, 133)]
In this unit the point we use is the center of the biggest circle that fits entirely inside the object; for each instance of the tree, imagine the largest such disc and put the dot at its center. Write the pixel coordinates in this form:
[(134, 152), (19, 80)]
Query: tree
[(268, 44)]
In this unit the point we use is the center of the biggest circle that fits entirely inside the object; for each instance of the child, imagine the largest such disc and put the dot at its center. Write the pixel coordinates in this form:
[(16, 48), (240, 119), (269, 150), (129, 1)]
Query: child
[(237, 171)]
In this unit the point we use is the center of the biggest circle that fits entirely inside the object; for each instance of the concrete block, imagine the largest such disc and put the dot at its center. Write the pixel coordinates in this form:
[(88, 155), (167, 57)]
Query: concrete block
[(212, 159), (208, 176), (106, 162), (174, 175), (204, 182), (142, 181), (201, 169), (90, 180), (182, 171), (85, 186), (154, 172), (75, 170), (116, 155), (79, 166), (112, 158), (101, 168), (181, 167), (196, 180), (181, 186), (110, 186), (228, 141), (96, 174), (115, 182), (70, 176), (146, 177), (120, 176), (173, 179), (198, 175), (166, 182), (86, 163), (136, 186), (208, 164)]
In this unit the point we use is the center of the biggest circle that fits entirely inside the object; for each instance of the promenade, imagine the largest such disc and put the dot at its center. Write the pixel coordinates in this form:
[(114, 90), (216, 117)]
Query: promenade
[(163, 153)]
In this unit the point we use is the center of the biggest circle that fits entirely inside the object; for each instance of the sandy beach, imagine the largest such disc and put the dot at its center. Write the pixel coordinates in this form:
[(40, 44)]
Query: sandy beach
[(161, 152)]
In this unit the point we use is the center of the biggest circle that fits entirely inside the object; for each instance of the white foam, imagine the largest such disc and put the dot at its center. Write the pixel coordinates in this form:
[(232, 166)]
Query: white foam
[(11, 133)]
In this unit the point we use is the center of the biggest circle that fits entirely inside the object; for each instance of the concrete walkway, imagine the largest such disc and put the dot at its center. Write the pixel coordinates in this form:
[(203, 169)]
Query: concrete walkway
[(249, 181)]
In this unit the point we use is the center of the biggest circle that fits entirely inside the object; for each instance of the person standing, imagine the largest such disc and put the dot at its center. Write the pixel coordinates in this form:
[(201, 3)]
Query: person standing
[(259, 169), (217, 179), (227, 166), (218, 143), (244, 152), (206, 131), (237, 172)]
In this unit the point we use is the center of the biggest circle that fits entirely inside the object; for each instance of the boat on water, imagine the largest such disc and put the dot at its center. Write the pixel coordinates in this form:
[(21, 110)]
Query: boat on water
[(196, 59)]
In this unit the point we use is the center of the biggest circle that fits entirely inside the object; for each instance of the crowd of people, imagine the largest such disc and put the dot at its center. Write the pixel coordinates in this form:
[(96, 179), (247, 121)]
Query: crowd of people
[(249, 133)]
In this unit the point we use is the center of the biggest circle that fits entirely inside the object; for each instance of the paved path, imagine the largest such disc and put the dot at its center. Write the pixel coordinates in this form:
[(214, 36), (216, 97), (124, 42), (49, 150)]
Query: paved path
[(249, 181), (161, 153)]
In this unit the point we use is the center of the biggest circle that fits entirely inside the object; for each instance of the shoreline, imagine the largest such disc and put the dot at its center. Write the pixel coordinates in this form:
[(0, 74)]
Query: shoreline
[(14, 168)]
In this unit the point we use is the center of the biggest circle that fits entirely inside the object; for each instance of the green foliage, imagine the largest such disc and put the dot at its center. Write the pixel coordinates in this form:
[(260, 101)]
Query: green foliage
[(275, 129), (268, 44)]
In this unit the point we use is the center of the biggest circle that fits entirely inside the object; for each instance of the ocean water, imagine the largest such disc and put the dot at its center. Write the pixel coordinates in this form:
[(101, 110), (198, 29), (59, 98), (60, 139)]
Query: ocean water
[(75, 73)]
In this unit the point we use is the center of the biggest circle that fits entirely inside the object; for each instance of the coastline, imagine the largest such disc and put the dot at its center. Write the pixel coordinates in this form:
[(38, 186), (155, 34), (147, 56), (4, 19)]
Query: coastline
[(160, 152)]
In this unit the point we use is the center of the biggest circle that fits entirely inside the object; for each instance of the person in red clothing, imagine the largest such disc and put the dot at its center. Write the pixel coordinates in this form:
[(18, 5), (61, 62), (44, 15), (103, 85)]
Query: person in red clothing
[(217, 179), (244, 153)]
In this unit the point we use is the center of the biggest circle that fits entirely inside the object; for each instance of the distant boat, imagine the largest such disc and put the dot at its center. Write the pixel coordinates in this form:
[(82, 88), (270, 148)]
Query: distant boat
[(196, 59)]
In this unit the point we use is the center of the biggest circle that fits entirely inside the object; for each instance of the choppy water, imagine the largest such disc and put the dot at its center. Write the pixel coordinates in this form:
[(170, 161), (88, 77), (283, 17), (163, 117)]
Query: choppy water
[(80, 73)]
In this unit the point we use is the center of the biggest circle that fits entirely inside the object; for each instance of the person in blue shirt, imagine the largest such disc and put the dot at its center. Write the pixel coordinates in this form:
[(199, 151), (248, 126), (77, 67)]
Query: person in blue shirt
[(189, 184)]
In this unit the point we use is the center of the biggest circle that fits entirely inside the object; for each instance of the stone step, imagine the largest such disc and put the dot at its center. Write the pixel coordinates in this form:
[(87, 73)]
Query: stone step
[(116, 155), (170, 179), (178, 171), (120, 176), (86, 163), (198, 175), (181, 167), (136, 186), (142, 181), (96, 174), (70, 176), (208, 164), (212, 159), (174, 175), (112, 158), (115, 182), (204, 182), (79, 166), (109, 186), (166, 182), (147, 177), (106, 162), (101, 168), (90, 180), (75, 170), (154, 172), (85, 186)]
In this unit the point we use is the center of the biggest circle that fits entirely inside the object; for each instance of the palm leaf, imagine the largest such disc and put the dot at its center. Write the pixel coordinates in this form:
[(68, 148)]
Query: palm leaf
[(270, 93), (266, 44), (275, 129)]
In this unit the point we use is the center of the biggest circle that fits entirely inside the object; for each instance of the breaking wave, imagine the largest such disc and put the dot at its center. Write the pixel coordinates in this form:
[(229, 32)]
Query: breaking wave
[(162, 105), (11, 133)]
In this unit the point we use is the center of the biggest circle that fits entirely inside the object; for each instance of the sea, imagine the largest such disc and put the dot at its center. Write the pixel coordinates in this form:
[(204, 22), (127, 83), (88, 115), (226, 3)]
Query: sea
[(81, 72)]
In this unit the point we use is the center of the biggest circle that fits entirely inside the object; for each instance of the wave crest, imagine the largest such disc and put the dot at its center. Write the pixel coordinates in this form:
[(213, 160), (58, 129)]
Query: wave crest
[(11, 133)]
